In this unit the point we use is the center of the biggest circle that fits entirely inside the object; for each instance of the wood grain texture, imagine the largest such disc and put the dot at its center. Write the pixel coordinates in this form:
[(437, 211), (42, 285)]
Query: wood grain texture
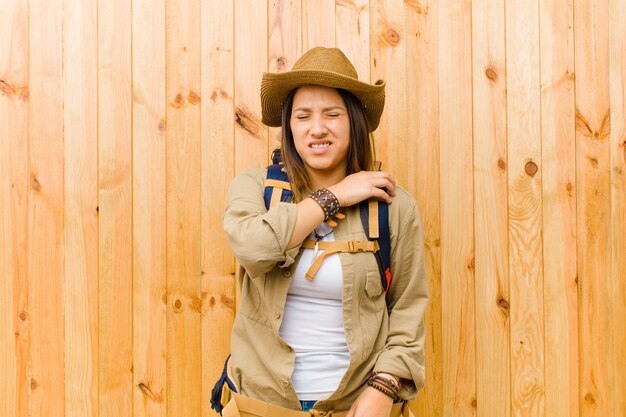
[(318, 24), (525, 207), (493, 300), (115, 199), (284, 40), (149, 209), (593, 206), (183, 150), (251, 59), (217, 169), (457, 206), (46, 255), (388, 63), (422, 132), (617, 97), (558, 147), (14, 210), (352, 20), (80, 298)]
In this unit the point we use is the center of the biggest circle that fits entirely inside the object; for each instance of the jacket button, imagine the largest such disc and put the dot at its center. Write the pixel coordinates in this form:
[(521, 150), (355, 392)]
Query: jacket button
[(277, 315), (286, 274), (286, 382), (288, 348)]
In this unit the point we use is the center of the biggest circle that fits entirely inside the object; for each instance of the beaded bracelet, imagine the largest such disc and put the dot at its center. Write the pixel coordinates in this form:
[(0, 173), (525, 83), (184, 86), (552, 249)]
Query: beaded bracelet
[(327, 201), (375, 375), (387, 383), (382, 389)]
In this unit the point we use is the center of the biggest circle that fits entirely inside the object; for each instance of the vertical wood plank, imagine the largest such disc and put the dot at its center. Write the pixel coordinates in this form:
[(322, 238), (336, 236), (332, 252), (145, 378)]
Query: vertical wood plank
[(184, 385), (559, 207), (422, 133), (284, 45), (149, 208), (525, 172), (251, 136), (352, 19), (594, 206), (115, 328), (457, 191), (388, 63), (617, 84), (493, 391), (80, 113), (14, 209), (218, 161), (318, 24), (46, 208)]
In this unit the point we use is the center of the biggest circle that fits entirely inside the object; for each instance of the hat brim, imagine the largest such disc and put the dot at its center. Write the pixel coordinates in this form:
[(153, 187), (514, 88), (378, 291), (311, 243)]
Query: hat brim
[(276, 86)]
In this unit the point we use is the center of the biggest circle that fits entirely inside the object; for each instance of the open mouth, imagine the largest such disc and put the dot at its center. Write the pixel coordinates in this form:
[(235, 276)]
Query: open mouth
[(322, 145)]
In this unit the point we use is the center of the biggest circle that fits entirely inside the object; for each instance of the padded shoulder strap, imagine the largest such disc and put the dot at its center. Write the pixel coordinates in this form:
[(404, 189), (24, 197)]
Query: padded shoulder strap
[(277, 187), (383, 256)]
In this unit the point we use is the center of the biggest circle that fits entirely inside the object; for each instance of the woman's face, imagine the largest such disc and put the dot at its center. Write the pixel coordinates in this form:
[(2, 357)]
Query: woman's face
[(321, 130)]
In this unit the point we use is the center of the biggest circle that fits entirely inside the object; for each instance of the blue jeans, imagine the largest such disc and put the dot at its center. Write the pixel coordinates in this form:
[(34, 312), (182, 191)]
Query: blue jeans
[(307, 405)]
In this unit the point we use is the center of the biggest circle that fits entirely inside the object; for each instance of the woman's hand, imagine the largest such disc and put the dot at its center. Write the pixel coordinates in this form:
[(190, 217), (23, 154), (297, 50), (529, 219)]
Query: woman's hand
[(371, 403), (362, 185)]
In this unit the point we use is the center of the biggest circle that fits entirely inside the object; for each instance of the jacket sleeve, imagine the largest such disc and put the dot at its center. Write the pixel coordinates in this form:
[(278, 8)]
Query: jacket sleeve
[(258, 237), (403, 354)]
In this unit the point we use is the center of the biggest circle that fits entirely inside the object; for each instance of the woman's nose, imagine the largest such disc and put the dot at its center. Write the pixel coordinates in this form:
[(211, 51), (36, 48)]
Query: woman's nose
[(318, 128)]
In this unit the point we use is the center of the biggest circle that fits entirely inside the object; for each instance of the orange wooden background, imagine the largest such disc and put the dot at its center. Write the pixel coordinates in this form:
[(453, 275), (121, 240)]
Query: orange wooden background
[(122, 122)]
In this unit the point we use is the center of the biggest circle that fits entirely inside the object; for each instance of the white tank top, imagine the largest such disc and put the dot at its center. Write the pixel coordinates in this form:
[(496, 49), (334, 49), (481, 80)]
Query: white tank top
[(313, 325)]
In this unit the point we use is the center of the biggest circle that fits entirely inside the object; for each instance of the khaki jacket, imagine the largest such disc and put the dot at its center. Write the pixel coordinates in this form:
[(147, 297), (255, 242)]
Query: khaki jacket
[(381, 336)]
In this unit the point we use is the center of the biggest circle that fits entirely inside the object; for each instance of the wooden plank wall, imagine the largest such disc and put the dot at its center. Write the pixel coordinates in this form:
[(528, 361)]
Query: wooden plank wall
[(122, 122)]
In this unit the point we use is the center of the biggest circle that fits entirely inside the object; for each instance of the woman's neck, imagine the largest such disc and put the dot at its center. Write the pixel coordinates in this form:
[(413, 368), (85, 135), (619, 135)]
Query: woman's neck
[(325, 181)]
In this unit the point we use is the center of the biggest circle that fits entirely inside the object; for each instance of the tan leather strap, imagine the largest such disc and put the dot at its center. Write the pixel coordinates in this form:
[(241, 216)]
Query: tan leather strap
[(242, 406), (277, 184), (373, 219), (330, 248), (277, 190)]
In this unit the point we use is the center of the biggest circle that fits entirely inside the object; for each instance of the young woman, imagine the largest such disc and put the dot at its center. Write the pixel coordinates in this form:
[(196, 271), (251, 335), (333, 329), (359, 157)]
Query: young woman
[(330, 338)]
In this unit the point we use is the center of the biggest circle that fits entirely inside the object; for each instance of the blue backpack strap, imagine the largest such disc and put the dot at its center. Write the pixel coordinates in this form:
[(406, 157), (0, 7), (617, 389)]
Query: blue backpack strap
[(277, 186), (216, 393), (383, 256)]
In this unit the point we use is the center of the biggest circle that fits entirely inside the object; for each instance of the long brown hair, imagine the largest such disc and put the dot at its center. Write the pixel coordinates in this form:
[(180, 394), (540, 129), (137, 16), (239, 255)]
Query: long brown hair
[(361, 153)]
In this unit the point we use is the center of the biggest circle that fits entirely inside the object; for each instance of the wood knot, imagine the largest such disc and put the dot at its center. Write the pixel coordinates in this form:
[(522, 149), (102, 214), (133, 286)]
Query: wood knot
[(281, 63), (218, 92), (415, 5), (33, 384), (246, 122), (392, 36), (22, 316), (162, 126), (97, 209), (471, 264), (148, 393), (193, 98), (178, 304), (212, 302), (34, 184), (531, 168), (6, 88), (501, 164), (178, 101), (589, 398), (503, 303), (491, 73), (474, 403), (24, 94), (228, 302)]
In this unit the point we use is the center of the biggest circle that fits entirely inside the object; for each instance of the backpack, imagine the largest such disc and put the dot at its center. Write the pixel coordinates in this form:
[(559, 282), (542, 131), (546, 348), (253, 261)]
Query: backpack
[(374, 216)]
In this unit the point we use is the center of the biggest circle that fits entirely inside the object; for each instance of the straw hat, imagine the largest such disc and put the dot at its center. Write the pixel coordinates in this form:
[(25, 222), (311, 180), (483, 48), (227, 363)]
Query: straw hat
[(327, 67)]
